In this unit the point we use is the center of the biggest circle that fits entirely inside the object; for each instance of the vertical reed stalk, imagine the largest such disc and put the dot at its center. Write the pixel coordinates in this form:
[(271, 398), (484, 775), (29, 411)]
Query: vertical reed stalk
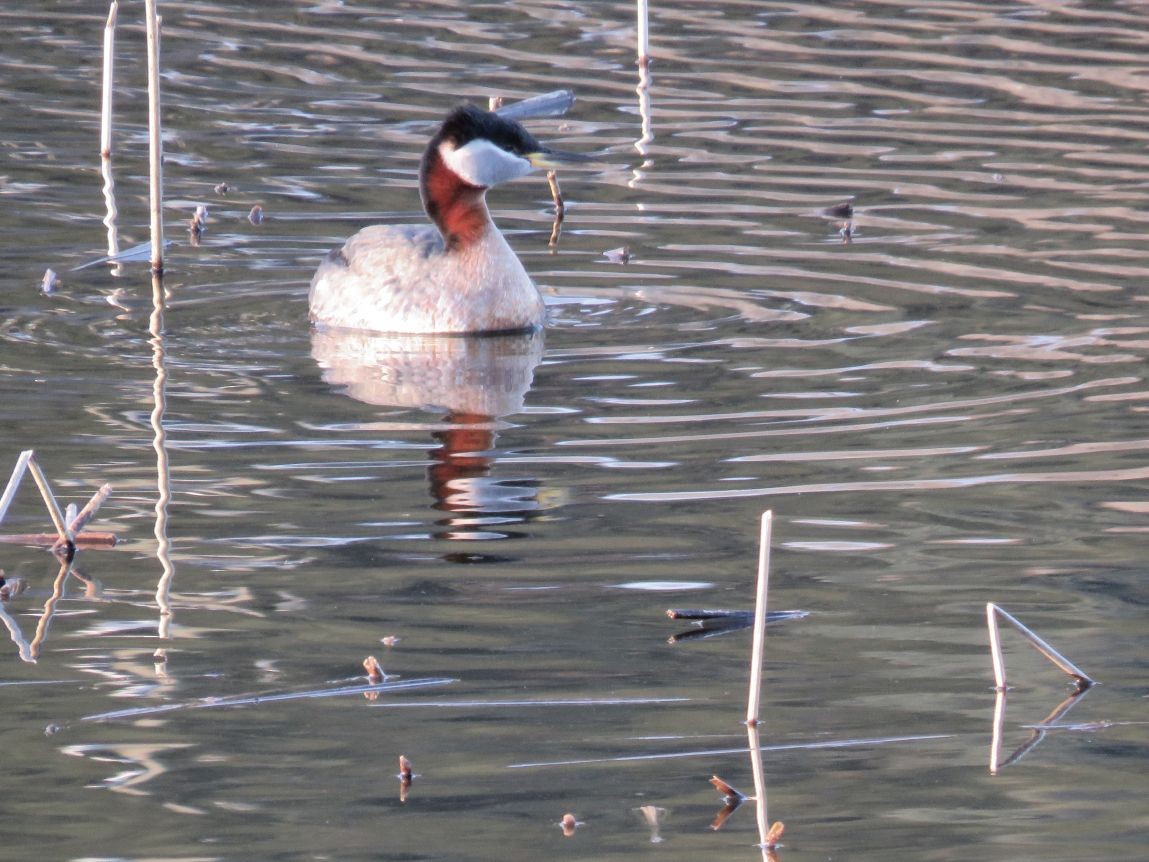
[(155, 136), (995, 646), (14, 482), (759, 785), (643, 33), (755, 695), (109, 66)]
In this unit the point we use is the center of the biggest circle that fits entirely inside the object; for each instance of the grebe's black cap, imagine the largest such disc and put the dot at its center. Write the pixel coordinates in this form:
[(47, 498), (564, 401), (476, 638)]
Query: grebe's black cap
[(467, 123)]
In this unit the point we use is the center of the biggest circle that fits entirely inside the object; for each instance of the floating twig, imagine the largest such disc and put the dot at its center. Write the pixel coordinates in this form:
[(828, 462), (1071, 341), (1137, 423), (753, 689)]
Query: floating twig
[(560, 207), (95, 539), (49, 282), (755, 688), (992, 611)]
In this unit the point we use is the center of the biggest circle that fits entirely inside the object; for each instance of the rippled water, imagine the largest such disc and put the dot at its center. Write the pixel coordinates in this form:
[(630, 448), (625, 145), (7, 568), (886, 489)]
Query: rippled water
[(944, 410)]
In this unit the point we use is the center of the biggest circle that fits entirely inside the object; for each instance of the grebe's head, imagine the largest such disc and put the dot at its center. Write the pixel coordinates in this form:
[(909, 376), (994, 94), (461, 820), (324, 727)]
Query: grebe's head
[(483, 149)]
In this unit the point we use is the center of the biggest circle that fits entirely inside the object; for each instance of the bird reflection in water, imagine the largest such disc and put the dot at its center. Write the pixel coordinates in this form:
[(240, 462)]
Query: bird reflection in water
[(473, 382)]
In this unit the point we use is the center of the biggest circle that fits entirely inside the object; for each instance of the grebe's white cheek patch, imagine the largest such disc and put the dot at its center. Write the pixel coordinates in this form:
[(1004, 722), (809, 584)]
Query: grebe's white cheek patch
[(481, 163)]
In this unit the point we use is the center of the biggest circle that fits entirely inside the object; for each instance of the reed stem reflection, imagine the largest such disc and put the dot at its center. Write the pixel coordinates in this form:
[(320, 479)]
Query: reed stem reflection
[(163, 467)]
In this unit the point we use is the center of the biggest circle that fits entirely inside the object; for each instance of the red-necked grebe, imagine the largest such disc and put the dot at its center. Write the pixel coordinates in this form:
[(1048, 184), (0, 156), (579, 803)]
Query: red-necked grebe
[(458, 274)]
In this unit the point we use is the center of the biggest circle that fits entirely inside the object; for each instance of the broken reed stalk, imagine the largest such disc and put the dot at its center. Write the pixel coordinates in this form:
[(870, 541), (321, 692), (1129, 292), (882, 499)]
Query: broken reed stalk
[(27, 461), (80, 520), (643, 33), (14, 481), (155, 138), (755, 695), (992, 611), (109, 65)]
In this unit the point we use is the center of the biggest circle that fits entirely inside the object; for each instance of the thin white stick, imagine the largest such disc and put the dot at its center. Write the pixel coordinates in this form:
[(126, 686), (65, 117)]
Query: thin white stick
[(109, 65), (643, 32), (755, 695), (155, 137), (1041, 646), (54, 511), (995, 646), (14, 482)]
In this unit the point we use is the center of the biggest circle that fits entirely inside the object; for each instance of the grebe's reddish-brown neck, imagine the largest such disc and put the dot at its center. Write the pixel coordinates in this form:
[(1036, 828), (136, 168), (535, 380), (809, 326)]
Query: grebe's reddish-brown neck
[(457, 208), (472, 151)]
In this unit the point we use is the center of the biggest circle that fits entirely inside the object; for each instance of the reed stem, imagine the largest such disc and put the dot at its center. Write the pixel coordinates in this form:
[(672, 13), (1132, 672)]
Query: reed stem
[(109, 66), (155, 137), (755, 695)]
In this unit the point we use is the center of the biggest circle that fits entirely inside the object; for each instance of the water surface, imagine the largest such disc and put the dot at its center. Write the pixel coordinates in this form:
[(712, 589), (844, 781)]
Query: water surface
[(945, 410)]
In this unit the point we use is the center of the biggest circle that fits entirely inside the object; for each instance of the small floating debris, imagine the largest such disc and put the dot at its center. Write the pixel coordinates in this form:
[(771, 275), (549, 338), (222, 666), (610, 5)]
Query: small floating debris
[(844, 212), (620, 255), (389, 641), (652, 814), (222, 188), (774, 835), (256, 215), (375, 674), (10, 588), (569, 824), (406, 776), (50, 282), (198, 224), (728, 791)]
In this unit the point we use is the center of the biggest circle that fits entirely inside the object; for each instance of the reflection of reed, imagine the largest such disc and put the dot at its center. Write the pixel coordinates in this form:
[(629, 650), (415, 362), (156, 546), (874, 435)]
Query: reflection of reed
[(647, 136), (1037, 732), (110, 219), (163, 470)]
